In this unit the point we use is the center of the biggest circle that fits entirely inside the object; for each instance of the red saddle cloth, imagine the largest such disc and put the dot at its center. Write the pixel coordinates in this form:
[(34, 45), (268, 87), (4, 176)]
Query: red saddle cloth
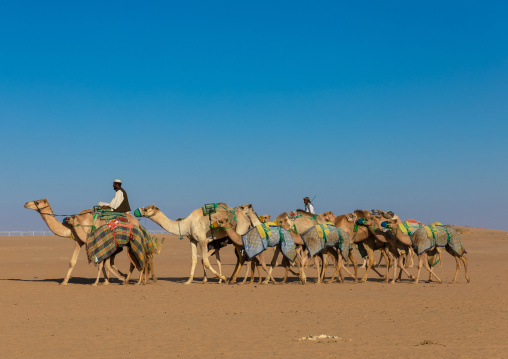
[(121, 222)]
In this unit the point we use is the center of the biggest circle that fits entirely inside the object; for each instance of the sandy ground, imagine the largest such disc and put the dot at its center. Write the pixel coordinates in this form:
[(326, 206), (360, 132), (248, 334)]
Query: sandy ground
[(41, 319)]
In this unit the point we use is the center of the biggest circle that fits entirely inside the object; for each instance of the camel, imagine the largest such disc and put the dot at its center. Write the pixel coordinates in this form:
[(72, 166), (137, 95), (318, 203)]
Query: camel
[(225, 224), (421, 235), (43, 207), (396, 250), (196, 227), (300, 222), (330, 248), (265, 218), (360, 235), (83, 223), (255, 221)]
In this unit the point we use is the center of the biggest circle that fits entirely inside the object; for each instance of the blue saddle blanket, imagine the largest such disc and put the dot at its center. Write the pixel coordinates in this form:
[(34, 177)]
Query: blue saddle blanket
[(254, 244)]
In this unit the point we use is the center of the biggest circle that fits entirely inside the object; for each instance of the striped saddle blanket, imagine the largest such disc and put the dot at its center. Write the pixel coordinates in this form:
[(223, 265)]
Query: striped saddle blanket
[(108, 238)]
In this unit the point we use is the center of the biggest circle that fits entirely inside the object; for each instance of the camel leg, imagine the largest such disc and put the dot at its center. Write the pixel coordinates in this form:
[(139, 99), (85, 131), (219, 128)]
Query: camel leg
[(381, 256), (206, 261), (113, 265), (249, 269), (151, 267), (217, 257), (194, 260), (370, 263), (355, 265), (99, 269), (285, 263), (205, 278), (409, 258), (128, 277), (388, 264), (464, 261), (457, 268), (72, 263), (273, 263), (427, 267), (240, 260), (261, 257), (335, 254), (232, 278), (324, 262), (112, 270), (343, 266), (422, 260)]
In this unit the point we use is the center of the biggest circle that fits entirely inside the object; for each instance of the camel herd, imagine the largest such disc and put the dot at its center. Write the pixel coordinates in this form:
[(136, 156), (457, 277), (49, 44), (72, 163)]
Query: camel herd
[(303, 238)]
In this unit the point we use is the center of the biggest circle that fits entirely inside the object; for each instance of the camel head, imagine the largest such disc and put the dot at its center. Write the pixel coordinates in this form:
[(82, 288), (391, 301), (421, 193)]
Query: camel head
[(265, 218), (147, 211), (286, 222), (246, 208), (329, 216), (37, 205), (224, 222)]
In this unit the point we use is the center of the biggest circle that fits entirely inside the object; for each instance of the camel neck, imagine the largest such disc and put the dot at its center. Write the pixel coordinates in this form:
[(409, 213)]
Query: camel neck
[(176, 227), (234, 236), (253, 218), (55, 226)]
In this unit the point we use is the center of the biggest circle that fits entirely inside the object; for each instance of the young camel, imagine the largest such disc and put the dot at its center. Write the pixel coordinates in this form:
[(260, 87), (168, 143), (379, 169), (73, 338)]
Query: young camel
[(43, 207), (421, 237), (196, 227)]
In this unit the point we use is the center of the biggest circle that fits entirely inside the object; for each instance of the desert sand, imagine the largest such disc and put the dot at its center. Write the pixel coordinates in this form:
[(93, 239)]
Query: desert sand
[(40, 318)]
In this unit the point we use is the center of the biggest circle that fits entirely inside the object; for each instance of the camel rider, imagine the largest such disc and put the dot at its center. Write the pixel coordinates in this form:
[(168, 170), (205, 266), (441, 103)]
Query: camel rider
[(120, 202), (309, 207)]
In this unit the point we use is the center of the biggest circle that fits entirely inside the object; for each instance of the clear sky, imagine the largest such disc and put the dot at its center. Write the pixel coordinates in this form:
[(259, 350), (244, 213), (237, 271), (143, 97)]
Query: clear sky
[(396, 105)]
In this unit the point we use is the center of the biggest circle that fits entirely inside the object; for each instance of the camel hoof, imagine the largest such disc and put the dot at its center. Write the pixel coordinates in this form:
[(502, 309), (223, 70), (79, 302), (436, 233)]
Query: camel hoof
[(187, 283), (223, 278), (468, 280), (94, 285), (63, 283)]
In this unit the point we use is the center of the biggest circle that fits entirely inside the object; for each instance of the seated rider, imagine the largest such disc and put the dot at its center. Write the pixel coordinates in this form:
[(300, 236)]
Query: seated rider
[(309, 207), (120, 202)]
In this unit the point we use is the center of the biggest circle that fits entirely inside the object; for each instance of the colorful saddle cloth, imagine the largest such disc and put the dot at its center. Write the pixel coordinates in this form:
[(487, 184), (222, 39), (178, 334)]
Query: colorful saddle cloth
[(108, 215), (254, 243), (437, 236), (149, 243), (410, 226), (106, 240)]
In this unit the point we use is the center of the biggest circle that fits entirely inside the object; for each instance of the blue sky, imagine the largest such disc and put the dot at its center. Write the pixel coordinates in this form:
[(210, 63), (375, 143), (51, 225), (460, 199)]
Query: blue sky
[(394, 105)]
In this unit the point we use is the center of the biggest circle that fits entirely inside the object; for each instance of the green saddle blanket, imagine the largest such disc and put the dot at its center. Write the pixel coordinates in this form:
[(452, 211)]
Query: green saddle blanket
[(108, 215)]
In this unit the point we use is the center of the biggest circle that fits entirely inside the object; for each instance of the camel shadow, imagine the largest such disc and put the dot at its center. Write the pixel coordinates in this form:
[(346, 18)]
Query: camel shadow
[(73, 280)]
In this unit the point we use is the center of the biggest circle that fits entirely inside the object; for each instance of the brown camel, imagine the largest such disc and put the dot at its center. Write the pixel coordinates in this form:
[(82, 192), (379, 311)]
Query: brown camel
[(197, 228), (454, 246), (255, 221), (225, 224), (396, 249), (301, 221), (360, 235)]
